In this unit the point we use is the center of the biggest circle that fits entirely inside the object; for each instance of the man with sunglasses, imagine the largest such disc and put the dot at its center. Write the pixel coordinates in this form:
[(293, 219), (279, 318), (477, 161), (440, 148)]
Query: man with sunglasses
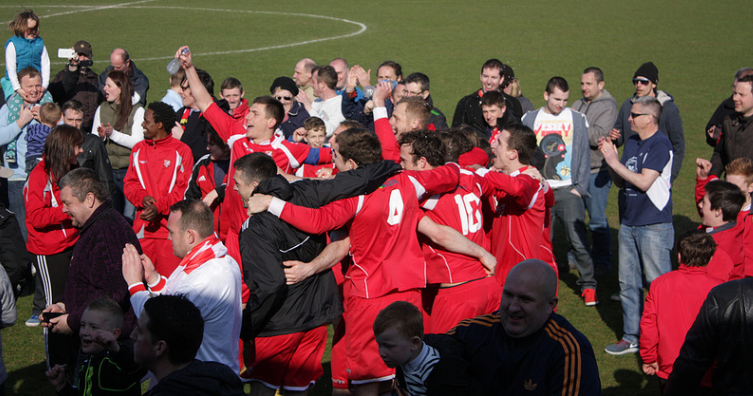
[(646, 233), (645, 80)]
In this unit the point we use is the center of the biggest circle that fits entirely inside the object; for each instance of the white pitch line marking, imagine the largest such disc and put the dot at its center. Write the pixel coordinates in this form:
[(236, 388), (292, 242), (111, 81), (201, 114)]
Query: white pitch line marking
[(362, 27)]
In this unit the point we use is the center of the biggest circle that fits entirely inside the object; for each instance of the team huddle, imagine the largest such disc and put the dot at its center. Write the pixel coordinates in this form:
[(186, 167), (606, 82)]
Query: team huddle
[(209, 241)]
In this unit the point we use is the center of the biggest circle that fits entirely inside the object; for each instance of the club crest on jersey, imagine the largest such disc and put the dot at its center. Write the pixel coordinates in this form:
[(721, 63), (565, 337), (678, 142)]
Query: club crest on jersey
[(166, 163)]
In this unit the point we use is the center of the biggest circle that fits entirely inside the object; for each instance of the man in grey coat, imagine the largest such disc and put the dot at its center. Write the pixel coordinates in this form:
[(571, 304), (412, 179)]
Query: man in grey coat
[(600, 109), (562, 134)]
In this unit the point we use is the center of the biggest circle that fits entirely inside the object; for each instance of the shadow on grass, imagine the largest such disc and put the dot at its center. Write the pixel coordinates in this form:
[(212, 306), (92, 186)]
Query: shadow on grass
[(630, 383), (29, 380)]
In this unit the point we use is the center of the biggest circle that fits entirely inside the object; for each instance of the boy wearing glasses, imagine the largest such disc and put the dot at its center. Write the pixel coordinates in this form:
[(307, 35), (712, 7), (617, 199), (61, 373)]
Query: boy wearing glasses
[(645, 80)]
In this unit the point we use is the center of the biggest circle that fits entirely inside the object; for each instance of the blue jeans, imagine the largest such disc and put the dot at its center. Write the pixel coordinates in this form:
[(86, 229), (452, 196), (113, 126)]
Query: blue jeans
[(596, 205), (120, 202), (17, 204), (644, 252), (569, 208)]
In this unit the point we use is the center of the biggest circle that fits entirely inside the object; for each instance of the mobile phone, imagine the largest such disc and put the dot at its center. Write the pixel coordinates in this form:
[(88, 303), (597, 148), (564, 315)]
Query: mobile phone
[(46, 316), (86, 63), (66, 53)]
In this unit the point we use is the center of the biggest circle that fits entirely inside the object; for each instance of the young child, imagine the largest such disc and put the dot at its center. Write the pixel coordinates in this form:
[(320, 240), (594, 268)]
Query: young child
[(423, 367), (719, 209), (36, 134), (106, 365), (672, 305), (24, 49), (316, 135)]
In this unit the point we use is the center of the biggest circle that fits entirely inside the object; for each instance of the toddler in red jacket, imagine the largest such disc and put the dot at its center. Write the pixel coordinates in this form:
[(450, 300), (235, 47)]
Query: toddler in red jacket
[(672, 304)]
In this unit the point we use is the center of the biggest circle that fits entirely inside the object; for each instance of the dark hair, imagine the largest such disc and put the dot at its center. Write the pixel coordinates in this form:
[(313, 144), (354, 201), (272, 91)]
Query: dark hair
[(74, 105), (59, 150), (725, 196), (230, 83), (465, 144), (748, 78), (557, 82), (163, 113), (493, 64), (420, 78), (19, 24), (272, 108), (403, 315), (452, 144), (455, 142), (255, 167), (84, 181), (416, 108), (195, 215), (494, 98), (598, 74), (360, 145), (327, 75), (205, 78), (523, 140), (126, 92), (394, 66), (175, 320), (30, 72), (215, 139), (109, 307), (425, 144), (696, 247)]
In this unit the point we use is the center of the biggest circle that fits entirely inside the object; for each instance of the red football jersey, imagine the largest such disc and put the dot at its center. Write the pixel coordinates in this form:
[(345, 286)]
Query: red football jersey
[(386, 255), (519, 216), (286, 155), (461, 210)]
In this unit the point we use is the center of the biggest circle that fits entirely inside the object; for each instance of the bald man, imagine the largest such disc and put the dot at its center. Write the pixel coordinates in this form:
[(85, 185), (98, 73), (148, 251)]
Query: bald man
[(120, 60), (525, 347)]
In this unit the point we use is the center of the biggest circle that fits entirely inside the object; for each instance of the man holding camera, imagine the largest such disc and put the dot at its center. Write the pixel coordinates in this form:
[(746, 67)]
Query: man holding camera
[(78, 81)]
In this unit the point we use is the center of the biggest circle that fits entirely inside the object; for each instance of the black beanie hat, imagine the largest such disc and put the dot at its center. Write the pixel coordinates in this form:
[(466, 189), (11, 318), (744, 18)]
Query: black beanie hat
[(649, 71), (286, 83)]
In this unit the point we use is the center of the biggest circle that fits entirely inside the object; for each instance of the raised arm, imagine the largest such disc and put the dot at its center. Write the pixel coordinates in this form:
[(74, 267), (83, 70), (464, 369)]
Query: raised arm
[(201, 96)]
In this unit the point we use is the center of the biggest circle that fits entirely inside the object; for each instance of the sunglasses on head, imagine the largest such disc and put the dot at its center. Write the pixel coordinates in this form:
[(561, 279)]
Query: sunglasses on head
[(642, 81)]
